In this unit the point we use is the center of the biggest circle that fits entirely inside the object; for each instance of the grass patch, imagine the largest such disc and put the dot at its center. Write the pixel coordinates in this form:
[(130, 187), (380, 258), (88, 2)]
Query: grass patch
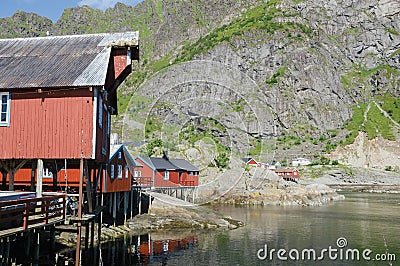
[(276, 76)]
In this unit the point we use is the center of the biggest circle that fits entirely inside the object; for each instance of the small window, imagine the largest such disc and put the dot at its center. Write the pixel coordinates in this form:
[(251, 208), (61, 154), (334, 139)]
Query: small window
[(5, 109), (112, 172), (126, 172), (100, 112), (119, 171), (137, 173), (119, 155), (166, 175)]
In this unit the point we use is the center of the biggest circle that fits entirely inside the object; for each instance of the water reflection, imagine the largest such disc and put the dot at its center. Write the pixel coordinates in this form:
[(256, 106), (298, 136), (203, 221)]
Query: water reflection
[(147, 249), (365, 220)]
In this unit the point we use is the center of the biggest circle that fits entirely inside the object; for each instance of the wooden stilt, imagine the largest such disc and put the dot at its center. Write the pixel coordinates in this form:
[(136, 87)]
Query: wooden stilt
[(39, 178), (114, 213), (79, 224), (55, 175), (27, 244), (33, 176), (131, 203), (87, 174), (4, 180), (140, 201), (37, 248), (125, 206), (1, 251), (7, 249)]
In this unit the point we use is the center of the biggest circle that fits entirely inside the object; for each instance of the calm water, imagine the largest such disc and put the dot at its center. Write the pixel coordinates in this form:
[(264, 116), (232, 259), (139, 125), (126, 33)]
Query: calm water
[(366, 221)]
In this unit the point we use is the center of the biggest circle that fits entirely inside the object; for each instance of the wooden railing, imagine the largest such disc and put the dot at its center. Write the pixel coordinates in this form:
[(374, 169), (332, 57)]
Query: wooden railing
[(20, 214)]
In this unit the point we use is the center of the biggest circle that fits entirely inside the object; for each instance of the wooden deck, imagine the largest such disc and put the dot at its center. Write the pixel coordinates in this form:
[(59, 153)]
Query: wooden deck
[(21, 215)]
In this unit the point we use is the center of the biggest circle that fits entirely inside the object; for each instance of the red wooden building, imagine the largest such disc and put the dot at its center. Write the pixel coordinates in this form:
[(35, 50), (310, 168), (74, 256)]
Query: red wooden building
[(288, 173), (250, 161), (166, 172), (57, 97)]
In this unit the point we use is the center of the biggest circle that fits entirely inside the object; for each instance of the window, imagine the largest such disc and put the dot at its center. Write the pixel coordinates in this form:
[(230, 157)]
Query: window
[(126, 172), (166, 175), (119, 155), (119, 171), (112, 172), (137, 173), (5, 109)]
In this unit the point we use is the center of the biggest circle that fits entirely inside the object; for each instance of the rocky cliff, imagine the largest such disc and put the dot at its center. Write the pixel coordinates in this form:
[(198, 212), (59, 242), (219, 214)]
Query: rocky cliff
[(272, 79)]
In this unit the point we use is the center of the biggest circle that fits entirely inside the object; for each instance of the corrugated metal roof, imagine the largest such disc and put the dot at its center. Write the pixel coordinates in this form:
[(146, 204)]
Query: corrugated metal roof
[(59, 61)]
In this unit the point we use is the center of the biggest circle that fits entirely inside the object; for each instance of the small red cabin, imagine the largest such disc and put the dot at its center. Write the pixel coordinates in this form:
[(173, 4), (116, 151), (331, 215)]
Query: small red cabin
[(250, 161), (166, 172), (288, 173)]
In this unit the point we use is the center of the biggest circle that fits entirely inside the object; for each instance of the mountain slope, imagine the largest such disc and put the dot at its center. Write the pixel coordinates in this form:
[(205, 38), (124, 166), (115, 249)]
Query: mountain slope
[(276, 79)]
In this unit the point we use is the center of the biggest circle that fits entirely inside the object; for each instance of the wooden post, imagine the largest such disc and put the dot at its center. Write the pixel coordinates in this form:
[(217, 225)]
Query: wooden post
[(125, 205), (79, 224), (27, 244), (131, 202), (39, 178), (4, 180), (88, 187), (140, 201), (36, 249), (114, 214), (7, 250), (33, 176), (1, 251)]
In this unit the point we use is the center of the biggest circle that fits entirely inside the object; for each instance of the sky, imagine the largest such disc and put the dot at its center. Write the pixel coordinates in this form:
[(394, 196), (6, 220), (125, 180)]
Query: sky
[(53, 9)]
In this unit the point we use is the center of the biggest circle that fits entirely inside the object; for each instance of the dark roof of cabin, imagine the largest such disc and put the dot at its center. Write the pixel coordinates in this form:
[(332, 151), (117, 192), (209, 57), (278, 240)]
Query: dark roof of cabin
[(163, 164), (246, 159), (170, 164), (59, 61), (185, 165)]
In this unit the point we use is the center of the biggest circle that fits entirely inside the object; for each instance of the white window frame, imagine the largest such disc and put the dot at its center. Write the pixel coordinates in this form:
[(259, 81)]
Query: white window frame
[(137, 173), (126, 172), (120, 171), (166, 175), (120, 155), (6, 122), (112, 172)]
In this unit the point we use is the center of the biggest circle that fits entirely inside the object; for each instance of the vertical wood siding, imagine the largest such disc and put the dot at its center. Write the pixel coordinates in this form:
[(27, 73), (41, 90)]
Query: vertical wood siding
[(116, 184), (49, 125)]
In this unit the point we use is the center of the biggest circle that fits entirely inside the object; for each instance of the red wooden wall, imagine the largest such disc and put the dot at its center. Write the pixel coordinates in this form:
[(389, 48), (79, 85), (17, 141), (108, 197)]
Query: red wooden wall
[(56, 124), (117, 184)]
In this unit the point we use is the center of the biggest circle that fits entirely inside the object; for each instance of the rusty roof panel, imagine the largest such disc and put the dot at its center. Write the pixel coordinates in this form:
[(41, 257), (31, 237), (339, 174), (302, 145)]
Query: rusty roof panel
[(59, 61)]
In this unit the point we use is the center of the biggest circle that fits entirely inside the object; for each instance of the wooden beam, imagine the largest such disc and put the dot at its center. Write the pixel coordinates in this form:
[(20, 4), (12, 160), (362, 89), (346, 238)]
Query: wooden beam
[(88, 187), (39, 178), (79, 224)]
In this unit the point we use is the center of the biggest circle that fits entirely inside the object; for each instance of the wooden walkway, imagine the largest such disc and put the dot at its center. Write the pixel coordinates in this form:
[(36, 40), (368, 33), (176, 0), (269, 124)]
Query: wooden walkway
[(17, 216)]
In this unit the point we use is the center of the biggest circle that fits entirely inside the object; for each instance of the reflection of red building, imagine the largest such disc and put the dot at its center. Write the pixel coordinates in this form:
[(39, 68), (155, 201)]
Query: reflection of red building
[(158, 247)]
